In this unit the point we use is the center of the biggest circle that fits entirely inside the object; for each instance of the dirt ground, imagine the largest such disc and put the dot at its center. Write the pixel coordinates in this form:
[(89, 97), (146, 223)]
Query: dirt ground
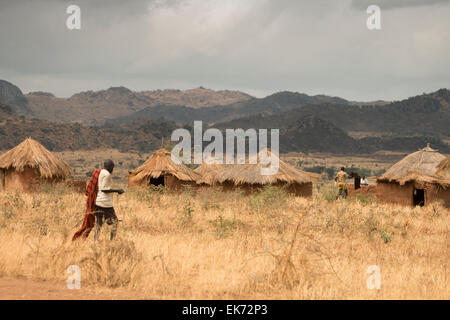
[(25, 289)]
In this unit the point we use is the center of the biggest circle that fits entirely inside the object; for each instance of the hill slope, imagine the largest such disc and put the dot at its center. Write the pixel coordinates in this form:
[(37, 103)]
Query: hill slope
[(305, 133), (94, 107), (275, 103), (300, 131), (307, 123), (139, 136), (427, 114), (13, 96)]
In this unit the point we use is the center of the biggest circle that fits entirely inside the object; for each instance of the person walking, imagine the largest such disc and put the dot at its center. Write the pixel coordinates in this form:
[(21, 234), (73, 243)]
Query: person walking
[(104, 209)]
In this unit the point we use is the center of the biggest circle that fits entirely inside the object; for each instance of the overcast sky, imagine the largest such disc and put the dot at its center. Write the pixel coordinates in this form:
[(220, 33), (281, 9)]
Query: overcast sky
[(257, 46)]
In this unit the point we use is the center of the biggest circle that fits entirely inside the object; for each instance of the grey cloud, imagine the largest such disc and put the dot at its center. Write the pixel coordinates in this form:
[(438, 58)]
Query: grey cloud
[(259, 46)]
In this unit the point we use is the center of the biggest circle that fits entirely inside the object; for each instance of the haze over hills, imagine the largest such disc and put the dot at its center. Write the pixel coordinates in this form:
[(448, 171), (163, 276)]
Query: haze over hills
[(142, 119)]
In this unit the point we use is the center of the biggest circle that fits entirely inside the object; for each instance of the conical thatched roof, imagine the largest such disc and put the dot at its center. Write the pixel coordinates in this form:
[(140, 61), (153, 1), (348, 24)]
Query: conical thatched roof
[(251, 174), (208, 171), (32, 154), (420, 165), (443, 168), (160, 163)]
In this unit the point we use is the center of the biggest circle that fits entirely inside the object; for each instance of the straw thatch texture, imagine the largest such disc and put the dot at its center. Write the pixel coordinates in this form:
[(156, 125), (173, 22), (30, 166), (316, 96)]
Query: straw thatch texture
[(160, 164), (420, 178), (249, 174), (420, 165), (30, 154), (314, 176), (443, 169), (208, 172)]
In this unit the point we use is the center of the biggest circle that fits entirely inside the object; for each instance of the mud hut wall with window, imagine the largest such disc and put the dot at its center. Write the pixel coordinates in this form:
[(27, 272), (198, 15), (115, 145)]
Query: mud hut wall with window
[(410, 181)]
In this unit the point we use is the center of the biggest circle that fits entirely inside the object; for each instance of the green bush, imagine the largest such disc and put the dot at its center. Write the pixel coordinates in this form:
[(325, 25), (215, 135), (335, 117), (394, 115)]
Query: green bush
[(385, 236), (364, 200), (328, 192), (187, 218), (269, 198), (224, 227)]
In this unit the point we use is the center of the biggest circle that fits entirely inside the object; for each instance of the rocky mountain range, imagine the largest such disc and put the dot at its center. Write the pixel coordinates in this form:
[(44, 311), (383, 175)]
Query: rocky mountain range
[(139, 121), (120, 101)]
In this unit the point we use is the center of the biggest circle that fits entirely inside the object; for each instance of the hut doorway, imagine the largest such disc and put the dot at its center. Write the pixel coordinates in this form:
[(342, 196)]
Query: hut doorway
[(157, 181), (419, 197)]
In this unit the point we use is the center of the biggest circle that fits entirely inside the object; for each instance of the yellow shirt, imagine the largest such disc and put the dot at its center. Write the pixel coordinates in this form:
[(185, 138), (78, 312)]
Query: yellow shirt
[(341, 178)]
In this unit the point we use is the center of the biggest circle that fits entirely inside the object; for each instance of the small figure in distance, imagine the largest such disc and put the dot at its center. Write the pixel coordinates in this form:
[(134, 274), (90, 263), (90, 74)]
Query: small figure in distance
[(357, 179), (364, 181), (341, 182)]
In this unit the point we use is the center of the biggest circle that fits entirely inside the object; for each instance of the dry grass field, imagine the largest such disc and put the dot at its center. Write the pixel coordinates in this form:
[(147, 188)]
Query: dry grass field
[(214, 245)]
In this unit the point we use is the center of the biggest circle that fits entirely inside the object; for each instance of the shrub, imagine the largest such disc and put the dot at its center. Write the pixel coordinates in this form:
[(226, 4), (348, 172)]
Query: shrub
[(224, 227), (187, 218), (385, 236), (270, 198), (328, 192), (363, 199)]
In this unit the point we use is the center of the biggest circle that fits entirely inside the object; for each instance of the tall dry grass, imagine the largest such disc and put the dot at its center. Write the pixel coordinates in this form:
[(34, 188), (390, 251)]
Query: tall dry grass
[(215, 245)]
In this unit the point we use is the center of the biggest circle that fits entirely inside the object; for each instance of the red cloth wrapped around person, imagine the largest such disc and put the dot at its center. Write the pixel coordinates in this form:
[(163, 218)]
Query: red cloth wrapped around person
[(89, 218)]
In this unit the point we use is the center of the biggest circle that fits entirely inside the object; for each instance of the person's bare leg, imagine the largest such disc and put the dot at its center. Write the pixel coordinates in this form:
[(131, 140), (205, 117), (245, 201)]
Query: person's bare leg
[(114, 227), (98, 224)]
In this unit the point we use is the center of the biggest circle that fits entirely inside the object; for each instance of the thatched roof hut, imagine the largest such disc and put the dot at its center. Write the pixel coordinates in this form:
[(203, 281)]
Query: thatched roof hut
[(443, 169), (23, 166), (412, 180), (249, 176), (420, 163), (208, 171), (159, 169)]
